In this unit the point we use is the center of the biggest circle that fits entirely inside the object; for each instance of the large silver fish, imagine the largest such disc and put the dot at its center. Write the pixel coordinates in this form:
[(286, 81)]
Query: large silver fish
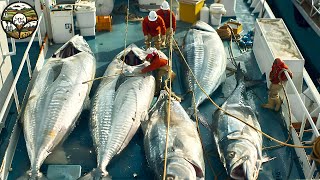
[(239, 146), (119, 106), (185, 156), (205, 54), (56, 100)]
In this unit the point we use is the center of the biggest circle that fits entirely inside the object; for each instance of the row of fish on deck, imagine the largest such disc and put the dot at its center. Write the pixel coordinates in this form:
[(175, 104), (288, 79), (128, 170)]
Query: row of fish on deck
[(122, 102)]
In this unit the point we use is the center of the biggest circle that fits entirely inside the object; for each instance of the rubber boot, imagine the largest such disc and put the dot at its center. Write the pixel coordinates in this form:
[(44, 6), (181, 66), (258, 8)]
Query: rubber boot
[(278, 103), (270, 104)]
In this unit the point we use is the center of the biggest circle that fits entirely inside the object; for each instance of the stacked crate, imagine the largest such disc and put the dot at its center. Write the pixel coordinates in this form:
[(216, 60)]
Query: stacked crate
[(190, 10), (104, 23)]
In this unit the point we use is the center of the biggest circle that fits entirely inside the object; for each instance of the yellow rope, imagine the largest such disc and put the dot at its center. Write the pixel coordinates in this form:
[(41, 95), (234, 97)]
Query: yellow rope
[(290, 117), (198, 129), (266, 135), (169, 101), (124, 51), (102, 77), (125, 37)]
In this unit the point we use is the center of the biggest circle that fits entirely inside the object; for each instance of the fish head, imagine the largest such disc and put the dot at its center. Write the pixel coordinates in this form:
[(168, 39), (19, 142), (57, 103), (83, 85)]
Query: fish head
[(75, 45), (241, 159), (203, 26), (180, 168)]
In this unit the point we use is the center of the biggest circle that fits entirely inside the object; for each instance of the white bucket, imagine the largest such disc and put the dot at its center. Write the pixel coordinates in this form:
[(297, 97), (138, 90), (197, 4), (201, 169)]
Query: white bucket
[(204, 14), (216, 11)]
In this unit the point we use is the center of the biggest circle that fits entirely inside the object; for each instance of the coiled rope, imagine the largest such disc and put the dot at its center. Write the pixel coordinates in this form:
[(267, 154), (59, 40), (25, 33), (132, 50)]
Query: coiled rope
[(224, 32), (315, 155)]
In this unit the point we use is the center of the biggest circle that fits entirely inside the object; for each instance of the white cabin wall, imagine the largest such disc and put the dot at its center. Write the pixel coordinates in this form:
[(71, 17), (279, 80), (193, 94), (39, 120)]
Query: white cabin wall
[(6, 75)]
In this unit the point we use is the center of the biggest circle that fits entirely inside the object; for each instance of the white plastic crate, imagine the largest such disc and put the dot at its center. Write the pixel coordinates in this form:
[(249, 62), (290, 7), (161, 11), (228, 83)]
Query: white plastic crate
[(91, 31), (273, 40)]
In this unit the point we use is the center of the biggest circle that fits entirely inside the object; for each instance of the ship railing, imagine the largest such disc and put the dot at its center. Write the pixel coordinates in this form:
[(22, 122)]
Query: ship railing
[(308, 165), (13, 89), (315, 6), (310, 94)]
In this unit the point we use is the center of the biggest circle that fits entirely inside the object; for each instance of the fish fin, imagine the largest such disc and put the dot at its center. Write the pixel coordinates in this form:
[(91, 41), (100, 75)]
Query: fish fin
[(96, 174), (239, 74), (253, 83), (144, 116), (249, 82), (202, 119), (87, 103), (267, 159), (27, 176)]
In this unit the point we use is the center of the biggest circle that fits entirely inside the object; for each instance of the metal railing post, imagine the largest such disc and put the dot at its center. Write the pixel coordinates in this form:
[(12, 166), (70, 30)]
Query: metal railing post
[(16, 99), (312, 170), (39, 37), (13, 47), (12, 91), (313, 126), (29, 66)]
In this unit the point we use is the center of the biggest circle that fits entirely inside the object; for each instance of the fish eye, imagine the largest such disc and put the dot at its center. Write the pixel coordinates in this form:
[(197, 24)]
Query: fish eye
[(246, 157), (231, 154), (170, 177)]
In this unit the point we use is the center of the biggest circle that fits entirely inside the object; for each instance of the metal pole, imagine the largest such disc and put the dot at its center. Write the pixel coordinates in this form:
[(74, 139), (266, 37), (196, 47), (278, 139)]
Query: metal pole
[(14, 83)]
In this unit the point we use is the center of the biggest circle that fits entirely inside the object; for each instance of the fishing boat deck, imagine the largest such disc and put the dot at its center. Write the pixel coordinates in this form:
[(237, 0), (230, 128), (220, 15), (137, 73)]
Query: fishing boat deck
[(78, 148)]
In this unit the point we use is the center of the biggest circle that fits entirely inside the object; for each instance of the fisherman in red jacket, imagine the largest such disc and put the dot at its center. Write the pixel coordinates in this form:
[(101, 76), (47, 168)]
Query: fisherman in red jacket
[(276, 77), (165, 12), (153, 28), (158, 63)]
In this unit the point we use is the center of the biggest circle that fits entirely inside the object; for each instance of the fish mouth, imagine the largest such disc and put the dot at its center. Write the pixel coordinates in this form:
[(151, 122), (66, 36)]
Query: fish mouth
[(68, 51), (237, 172), (240, 170), (179, 168)]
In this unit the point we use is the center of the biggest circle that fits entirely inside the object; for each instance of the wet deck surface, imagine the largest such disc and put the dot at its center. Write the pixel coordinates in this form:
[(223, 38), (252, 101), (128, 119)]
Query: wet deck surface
[(78, 148)]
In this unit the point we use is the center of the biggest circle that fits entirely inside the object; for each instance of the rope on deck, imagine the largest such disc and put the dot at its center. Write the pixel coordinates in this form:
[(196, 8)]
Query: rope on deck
[(124, 51), (258, 130), (125, 37), (198, 129), (169, 100), (290, 119)]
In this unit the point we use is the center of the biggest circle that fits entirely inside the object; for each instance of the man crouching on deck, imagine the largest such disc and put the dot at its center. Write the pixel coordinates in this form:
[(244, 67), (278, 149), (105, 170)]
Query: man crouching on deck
[(158, 64)]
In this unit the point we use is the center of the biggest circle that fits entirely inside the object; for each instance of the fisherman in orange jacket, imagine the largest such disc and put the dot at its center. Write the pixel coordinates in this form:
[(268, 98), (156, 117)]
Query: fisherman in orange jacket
[(159, 64), (153, 28), (165, 12), (276, 77)]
